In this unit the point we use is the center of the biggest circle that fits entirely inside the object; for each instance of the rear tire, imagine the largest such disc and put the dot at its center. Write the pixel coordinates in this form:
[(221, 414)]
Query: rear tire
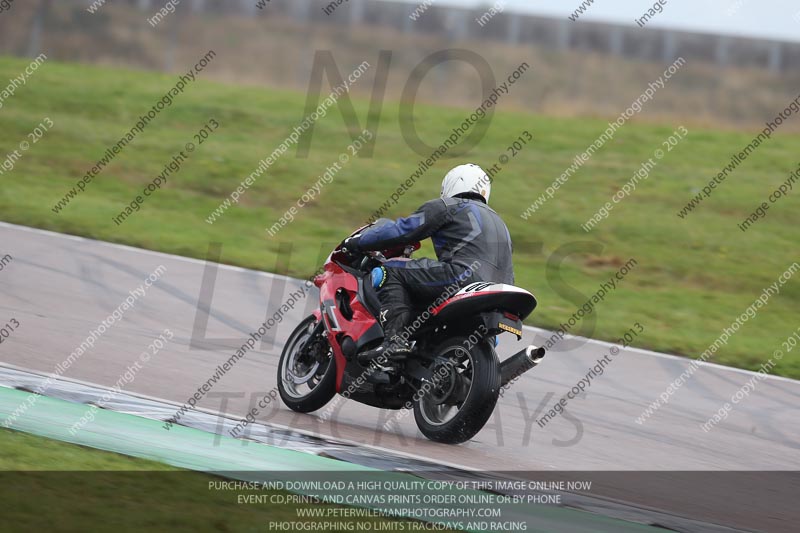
[(304, 383), (476, 407)]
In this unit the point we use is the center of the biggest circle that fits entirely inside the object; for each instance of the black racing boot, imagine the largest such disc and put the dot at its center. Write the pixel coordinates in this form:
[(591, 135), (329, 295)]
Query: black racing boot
[(394, 346)]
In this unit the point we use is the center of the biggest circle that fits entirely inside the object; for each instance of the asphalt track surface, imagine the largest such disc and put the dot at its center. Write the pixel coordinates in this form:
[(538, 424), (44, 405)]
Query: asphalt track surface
[(61, 287)]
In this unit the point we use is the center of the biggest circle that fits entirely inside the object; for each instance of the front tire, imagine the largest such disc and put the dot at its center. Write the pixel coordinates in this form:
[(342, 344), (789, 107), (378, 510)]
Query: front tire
[(455, 407), (306, 370)]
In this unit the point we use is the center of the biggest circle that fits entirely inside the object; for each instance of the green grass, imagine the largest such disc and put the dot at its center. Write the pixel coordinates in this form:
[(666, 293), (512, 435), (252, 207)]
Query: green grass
[(24, 452), (694, 276), (49, 485)]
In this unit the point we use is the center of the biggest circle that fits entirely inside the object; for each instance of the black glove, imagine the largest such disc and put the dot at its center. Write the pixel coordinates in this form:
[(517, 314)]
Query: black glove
[(350, 245)]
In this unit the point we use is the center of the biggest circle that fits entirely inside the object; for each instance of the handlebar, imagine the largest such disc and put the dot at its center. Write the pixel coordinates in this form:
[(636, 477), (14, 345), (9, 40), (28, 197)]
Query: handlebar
[(363, 259)]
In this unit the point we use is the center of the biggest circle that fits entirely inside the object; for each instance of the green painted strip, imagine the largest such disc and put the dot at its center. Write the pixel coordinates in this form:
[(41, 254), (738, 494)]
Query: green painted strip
[(193, 449), (143, 437)]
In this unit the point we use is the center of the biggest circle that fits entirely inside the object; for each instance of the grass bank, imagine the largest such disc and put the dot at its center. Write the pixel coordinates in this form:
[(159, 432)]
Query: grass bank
[(693, 276)]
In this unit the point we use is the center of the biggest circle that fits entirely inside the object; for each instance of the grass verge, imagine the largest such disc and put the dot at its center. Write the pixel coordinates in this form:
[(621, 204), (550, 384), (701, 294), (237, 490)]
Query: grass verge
[(694, 276), (56, 486)]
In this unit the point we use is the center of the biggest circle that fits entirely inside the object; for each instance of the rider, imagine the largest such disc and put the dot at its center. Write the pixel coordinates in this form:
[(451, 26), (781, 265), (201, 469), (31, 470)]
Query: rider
[(472, 244)]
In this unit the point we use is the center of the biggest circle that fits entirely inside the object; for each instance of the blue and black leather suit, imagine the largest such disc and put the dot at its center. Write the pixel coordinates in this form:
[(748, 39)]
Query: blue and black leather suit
[(472, 244)]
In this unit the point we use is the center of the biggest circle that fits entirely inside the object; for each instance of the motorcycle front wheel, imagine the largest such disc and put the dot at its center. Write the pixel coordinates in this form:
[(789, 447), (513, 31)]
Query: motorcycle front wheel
[(306, 370), (457, 402)]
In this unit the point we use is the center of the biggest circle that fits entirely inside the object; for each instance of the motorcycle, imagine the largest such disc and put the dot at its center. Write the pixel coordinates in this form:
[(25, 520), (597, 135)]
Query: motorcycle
[(453, 377)]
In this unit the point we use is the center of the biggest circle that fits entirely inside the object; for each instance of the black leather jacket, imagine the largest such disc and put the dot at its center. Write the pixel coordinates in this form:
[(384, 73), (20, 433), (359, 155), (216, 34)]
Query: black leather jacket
[(462, 230)]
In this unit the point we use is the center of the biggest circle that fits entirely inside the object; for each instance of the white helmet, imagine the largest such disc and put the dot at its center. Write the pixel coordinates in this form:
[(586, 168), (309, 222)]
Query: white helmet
[(467, 178)]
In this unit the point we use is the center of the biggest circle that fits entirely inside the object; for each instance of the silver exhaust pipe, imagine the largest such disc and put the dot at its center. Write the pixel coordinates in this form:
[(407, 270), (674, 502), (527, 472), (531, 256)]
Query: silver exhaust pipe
[(519, 363)]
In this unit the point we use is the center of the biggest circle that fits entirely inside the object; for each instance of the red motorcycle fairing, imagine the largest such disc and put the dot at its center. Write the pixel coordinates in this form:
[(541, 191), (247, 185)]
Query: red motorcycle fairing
[(339, 295)]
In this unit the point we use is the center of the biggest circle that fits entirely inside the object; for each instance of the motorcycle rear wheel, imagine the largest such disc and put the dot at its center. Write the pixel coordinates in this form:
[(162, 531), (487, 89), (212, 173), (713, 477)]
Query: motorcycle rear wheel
[(454, 408), (305, 383)]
